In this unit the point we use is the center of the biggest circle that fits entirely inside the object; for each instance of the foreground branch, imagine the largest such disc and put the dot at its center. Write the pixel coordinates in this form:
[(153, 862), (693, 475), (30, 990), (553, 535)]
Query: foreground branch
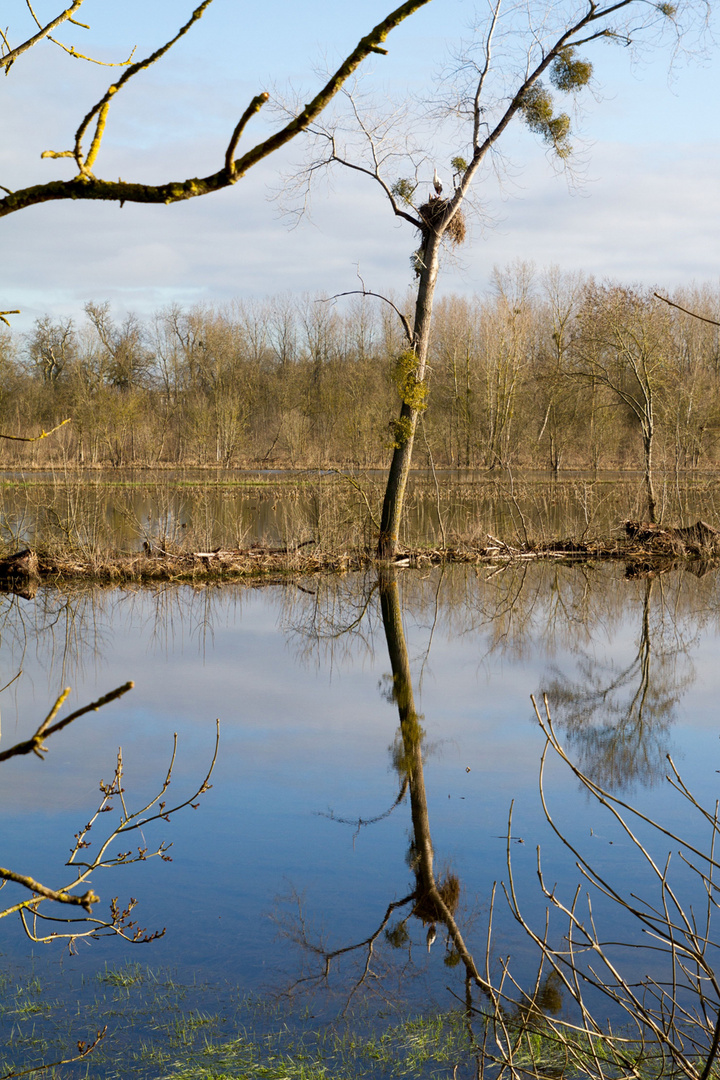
[(43, 434), (87, 186)]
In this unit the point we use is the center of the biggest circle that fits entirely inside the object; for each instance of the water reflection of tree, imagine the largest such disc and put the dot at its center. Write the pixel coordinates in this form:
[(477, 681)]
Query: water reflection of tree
[(554, 1024), (432, 899), (617, 722)]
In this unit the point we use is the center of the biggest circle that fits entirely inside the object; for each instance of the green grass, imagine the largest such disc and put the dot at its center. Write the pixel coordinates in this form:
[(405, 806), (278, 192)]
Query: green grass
[(129, 975), (159, 1027), (428, 1046)]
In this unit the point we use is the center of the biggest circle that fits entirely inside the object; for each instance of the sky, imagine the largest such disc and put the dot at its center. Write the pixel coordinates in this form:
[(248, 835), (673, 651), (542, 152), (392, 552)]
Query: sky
[(640, 206)]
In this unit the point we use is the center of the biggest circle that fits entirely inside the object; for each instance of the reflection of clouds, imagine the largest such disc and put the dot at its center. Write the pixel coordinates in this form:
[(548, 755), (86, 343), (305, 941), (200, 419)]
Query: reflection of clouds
[(195, 655)]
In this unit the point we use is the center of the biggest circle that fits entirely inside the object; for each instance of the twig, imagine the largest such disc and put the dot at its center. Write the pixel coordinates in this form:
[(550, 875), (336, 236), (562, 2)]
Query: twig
[(35, 745), (351, 480), (378, 296), (43, 434), (83, 1050), (693, 314)]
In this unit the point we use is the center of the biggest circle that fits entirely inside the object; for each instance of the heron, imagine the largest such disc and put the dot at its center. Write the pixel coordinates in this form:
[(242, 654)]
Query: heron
[(437, 184)]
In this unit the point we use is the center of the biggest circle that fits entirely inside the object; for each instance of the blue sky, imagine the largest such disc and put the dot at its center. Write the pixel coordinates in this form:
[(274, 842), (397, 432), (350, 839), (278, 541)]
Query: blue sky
[(643, 209)]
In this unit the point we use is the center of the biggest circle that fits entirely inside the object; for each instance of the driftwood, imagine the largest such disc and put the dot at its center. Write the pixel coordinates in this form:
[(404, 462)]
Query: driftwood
[(19, 574), (24, 564), (646, 549), (696, 540)]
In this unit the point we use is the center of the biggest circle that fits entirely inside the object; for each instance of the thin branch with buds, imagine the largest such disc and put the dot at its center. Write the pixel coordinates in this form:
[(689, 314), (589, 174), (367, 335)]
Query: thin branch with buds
[(87, 186), (119, 923)]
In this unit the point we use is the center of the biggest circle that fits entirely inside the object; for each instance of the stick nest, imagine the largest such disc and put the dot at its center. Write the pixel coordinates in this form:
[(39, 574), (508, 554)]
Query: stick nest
[(432, 213)]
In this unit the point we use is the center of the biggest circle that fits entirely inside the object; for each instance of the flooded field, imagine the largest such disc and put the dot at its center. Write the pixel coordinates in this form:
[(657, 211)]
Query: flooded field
[(202, 510), (374, 732)]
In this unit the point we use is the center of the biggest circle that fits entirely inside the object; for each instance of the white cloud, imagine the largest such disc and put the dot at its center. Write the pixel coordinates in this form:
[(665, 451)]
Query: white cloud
[(644, 212)]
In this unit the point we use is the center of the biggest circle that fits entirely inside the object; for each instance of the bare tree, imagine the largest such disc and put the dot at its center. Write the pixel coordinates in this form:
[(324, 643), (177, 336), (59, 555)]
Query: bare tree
[(623, 345), (499, 78), (52, 347)]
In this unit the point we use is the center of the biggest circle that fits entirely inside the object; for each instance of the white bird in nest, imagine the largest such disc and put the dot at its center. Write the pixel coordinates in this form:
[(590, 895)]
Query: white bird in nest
[(431, 935), (437, 184)]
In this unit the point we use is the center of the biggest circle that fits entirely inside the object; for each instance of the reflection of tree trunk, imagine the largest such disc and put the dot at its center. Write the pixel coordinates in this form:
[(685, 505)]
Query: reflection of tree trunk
[(644, 656), (430, 903), (410, 728)]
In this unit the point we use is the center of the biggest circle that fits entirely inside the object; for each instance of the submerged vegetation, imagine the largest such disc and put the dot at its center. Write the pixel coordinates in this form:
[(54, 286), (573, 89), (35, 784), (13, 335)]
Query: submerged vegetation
[(160, 1026), (188, 526)]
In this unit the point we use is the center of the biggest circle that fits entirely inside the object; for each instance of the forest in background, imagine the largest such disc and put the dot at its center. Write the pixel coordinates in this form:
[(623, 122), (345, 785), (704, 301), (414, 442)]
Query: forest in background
[(546, 371)]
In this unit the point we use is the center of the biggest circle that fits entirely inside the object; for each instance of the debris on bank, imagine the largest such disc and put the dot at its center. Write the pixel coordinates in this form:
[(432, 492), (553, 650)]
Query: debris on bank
[(646, 548)]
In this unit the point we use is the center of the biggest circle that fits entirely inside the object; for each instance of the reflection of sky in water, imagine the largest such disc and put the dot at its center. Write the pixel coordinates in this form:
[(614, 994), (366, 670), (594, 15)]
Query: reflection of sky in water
[(306, 730)]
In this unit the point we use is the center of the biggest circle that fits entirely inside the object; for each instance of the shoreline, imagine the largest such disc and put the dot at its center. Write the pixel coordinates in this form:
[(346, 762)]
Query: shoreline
[(645, 549)]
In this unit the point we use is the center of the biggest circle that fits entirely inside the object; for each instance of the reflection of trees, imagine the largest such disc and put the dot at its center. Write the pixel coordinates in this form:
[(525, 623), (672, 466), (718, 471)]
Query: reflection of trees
[(617, 722), (554, 1024), (432, 900), (618, 719)]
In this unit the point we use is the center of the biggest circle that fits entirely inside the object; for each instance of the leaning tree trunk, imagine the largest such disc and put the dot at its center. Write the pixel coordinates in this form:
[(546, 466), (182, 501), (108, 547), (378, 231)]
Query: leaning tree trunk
[(404, 428)]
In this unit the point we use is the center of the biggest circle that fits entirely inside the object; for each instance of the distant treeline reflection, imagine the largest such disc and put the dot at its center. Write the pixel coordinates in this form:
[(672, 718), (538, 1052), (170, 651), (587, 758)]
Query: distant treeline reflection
[(624, 647), (614, 702)]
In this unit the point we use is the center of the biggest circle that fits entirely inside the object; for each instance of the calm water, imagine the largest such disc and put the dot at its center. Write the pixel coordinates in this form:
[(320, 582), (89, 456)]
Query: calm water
[(301, 844), (200, 511)]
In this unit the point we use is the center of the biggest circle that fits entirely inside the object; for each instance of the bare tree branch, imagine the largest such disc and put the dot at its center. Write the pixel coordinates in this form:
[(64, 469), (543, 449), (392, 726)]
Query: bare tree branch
[(87, 186), (43, 434), (35, 745), (83, 1050), (8, 58), (686, 311), (368, 292)]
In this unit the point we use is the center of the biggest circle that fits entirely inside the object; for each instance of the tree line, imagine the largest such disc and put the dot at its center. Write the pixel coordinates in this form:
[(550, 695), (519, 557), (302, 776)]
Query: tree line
[(546, 371)]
